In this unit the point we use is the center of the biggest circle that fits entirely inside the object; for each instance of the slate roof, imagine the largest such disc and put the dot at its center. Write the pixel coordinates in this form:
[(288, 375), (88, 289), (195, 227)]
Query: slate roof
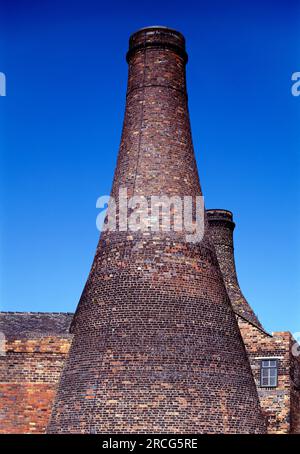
[(31, 325)]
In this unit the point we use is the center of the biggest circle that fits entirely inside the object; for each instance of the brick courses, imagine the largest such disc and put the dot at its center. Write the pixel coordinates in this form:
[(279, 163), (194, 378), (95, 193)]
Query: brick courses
[(30, 371), (221, 228), (36, 345), (154, 326), (156, 345), (281, 404)]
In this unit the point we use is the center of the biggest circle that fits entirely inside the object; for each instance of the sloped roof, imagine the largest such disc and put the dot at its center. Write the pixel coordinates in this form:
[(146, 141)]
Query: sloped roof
[(30, 325)]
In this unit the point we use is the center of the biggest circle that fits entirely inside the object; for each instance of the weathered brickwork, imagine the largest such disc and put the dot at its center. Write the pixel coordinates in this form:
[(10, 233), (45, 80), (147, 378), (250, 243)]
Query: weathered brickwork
[(163, 337), (280, 404), (30, 371), (156, 344), (221, 228), (30, 368), (295, 388)]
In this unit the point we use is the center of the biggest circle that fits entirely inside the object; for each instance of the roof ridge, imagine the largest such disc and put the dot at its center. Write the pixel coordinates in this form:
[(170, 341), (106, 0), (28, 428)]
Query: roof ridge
[(35, 312)]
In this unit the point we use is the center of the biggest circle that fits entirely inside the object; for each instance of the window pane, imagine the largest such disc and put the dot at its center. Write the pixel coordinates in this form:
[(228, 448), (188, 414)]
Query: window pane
[(269, 372)]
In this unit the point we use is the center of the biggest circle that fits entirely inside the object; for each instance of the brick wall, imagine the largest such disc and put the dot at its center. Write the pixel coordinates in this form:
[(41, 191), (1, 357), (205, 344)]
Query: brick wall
[(156, 347), (30, 368), (280, 405), (295, 387), (156, 344), (29, 374)]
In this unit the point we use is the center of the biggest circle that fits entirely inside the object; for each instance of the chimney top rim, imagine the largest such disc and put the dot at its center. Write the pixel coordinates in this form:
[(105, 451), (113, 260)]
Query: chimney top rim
[(219, 210), (157, 37), (218, 214), (157, 27)]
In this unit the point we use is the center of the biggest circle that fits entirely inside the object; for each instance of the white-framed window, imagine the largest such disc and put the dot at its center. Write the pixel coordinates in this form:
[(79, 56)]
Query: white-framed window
[(269, 373)]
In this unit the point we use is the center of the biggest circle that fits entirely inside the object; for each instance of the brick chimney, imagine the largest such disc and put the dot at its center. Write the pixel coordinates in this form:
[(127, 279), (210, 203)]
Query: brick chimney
[(156, 345), (221, 228)]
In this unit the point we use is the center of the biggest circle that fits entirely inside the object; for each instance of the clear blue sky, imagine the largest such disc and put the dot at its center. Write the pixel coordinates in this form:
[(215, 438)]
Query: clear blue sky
[(61, 123)]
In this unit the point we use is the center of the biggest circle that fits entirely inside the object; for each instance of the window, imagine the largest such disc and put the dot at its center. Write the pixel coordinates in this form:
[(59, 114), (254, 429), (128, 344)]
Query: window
[(268, 373)]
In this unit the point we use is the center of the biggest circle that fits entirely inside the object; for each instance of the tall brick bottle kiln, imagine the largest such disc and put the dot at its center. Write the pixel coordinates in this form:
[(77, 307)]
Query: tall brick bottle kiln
[(156, 345), (221, 227)]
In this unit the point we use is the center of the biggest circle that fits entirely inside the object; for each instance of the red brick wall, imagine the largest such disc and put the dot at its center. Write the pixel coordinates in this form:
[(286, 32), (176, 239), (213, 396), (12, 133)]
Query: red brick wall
[(280, 405), (31, 368), (29, 373), (295, 388)]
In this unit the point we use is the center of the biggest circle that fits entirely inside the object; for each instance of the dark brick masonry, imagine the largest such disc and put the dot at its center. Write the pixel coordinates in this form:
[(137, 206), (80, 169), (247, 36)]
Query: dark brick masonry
[(37, 345), (221, 228), (280, 404), (156, 344), (35, 348)]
